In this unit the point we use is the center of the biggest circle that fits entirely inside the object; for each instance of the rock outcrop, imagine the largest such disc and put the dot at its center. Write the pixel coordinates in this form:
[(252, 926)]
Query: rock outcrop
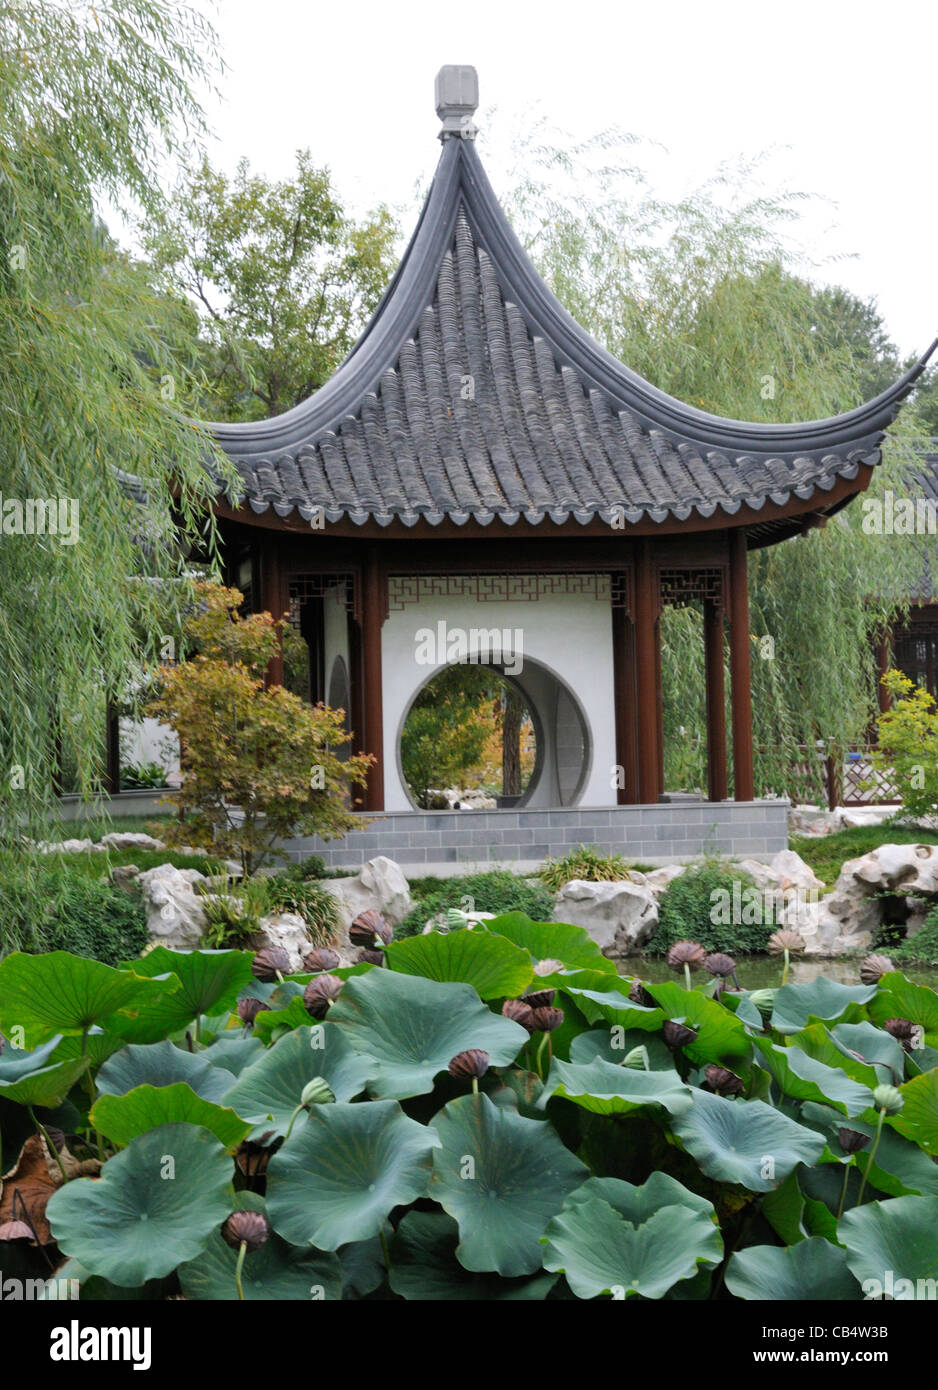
[(620, 916)]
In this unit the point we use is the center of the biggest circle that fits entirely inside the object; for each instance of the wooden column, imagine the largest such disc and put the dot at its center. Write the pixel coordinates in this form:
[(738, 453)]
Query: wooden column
[(740, 671), (373, 608), (623, 668), (273, 601), (716, 700), (646, 671)]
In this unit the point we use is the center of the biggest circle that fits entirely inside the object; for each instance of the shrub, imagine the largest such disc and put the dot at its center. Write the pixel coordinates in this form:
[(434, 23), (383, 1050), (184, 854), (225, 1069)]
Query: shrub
[(315, 904), (86, 916), (234, 915), (313, 866), (907, 738), (249, 745), (585, 862), (923, 947), (498, 891), (139, 776), (688, 905)]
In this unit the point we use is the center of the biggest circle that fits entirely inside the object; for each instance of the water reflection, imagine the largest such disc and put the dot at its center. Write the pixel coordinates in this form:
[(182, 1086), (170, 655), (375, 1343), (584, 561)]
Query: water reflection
[(765, 972)]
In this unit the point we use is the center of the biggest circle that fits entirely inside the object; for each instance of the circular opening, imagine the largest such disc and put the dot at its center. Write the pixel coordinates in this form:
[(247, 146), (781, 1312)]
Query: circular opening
[(470, 738)]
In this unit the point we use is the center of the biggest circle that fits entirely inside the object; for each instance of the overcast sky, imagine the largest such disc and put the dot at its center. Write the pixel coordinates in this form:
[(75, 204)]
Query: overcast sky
[(843, 93)]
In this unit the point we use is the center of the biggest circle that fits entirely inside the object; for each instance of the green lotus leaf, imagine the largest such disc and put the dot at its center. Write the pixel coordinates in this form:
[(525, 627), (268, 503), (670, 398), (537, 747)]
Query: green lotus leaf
[(273, 1023), (93, 1289), (502, 1177), (721, 1036), (97, 1045), (232, 1051), (745, 1141), (796, 1005), (153, 1207), (162, 1064), (61, 993), (606, 1088), (894, 1238), (46, 1087), (614, 1006), (123, 1118), (209, 982), (880, 1049), (277, 1272), (552, 941), (817, 1041), (803, 1078), (637, 1204), (362, 1266), (424, 1266), (600, 1251), (493, 965), (339, 1176), (898, 997), (813, 1269), (614, 1045), (918, 1118), (411, 1028), (16, 1062), (268, 1091)]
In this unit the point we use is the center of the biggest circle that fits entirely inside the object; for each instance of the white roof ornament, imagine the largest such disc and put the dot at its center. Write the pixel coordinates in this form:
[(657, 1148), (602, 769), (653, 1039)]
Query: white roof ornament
[(456, 90)]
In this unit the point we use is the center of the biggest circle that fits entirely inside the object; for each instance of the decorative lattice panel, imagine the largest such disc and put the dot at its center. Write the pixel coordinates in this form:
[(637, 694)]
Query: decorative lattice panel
[(682, 586), (502, 588)]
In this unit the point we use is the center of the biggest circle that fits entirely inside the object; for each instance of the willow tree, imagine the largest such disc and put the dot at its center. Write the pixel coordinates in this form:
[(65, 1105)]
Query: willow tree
[(95, 382), (707, 298)]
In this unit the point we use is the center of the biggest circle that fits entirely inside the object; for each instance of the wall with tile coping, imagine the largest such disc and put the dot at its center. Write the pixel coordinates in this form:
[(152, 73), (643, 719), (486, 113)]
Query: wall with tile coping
[(447, 842)]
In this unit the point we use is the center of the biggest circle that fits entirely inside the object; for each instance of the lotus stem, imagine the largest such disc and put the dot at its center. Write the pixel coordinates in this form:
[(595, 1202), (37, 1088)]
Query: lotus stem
[(540, 1053), (843, 1191), (384, 1249), (687, 983), (475, 1085), (292, 1119), (51, 1147), (239, 1267), (869, 1161), (785, 968)]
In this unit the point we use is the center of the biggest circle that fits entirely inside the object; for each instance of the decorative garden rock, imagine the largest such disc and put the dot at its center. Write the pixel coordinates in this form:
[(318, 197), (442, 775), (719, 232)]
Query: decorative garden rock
[(620, 916), (174, 913), (130, 839), (849, 917), (288, 931), (380, 886)]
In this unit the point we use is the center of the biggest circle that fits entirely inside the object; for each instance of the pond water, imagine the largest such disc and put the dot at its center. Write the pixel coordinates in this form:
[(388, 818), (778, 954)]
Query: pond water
[(765, 972)]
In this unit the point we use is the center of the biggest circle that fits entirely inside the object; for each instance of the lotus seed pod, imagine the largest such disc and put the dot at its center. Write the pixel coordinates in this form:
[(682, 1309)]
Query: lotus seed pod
[(248, 1228), (720, 964), (637, 1059), (253, 1155), (471, 1063), (368, 957), (368, 928), (539, 998), (546, 1019), (889, 1099), (321, 958), (677, 1034), (874, 968), (639, 995), (270, 963), (686, 953), (723, 1081), (902, 1029), (320, 993), (317, 1092), (519, 1012), (248, 1009), (791, 941), (852, 1141), (548, 966)]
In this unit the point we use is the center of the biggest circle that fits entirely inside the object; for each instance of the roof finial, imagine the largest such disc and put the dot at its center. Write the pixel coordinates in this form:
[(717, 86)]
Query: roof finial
[(457, 96)]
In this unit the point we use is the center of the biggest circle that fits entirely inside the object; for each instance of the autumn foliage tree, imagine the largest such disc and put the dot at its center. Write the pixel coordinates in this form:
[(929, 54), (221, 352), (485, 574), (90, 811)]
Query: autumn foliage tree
[(258, 763)]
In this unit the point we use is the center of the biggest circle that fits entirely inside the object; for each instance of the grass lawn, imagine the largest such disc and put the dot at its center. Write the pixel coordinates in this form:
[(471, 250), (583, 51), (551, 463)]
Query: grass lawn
[(827, 853)]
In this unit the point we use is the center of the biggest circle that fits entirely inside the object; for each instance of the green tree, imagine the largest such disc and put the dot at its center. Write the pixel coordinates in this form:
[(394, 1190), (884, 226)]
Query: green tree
[(284, 280), (446, 728), (95, 381), (258, 763), (705, 297)]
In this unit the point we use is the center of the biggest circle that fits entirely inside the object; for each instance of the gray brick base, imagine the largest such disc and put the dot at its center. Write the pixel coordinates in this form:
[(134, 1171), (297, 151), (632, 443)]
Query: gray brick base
[(447, 842)]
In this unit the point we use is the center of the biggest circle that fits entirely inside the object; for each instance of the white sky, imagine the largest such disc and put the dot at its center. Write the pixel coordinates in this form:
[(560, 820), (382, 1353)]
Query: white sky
[(844, 93)]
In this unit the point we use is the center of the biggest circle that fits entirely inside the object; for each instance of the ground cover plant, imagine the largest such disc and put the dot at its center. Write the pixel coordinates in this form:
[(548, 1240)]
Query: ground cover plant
[(496, 891), (488, 1113), (585, 862)]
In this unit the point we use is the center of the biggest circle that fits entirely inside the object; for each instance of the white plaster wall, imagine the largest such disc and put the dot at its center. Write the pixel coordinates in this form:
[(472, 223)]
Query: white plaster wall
[(570, 634), (148, 741), (335, 631)]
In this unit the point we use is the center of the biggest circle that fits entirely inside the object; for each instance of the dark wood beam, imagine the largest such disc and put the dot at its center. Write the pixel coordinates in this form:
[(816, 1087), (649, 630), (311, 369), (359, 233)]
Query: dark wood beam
[(624, 696)]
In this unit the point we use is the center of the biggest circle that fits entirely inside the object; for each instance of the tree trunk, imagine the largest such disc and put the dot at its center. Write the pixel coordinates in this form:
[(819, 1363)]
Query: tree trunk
[(511, 744)]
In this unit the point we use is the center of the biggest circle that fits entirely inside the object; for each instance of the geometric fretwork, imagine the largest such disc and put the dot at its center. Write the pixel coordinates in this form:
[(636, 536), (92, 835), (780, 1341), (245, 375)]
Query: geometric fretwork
[(683, 586), (498, 588), (304, 587)]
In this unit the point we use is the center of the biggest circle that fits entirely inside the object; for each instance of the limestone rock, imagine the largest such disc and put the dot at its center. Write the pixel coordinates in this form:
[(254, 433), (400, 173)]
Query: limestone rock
[(174, 913), (620, 917), (289, 931), (658, 879), (65, 846), (379, 886), (130, 839), (849, 917)]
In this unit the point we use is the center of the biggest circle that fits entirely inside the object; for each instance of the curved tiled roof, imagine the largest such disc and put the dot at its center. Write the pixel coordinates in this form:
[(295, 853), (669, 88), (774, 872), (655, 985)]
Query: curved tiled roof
[(473, 394)]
